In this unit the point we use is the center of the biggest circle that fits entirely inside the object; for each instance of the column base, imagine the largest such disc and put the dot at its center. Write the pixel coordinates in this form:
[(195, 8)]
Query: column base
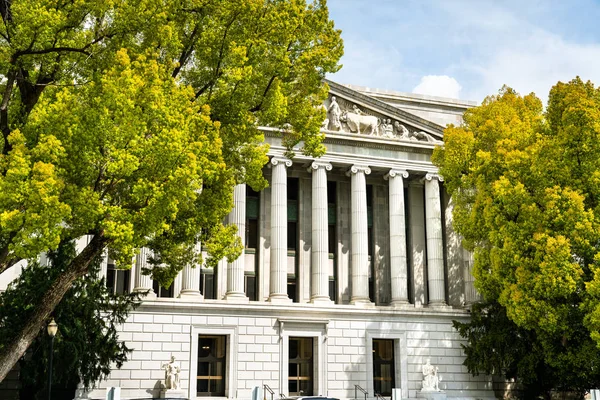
[(401, 304), (149, 292), (321, 300), (193, 295), (439, 305), (236, 297), (279, 298), (362, 302)]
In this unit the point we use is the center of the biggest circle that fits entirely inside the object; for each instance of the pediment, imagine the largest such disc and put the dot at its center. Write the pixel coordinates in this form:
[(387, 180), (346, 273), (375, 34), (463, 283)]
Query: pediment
[(353, 112)]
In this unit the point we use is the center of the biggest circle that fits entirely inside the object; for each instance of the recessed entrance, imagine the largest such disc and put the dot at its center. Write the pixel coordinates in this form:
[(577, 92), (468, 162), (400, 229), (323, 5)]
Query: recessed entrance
[(383, 366), (210, 380), (301, 366)]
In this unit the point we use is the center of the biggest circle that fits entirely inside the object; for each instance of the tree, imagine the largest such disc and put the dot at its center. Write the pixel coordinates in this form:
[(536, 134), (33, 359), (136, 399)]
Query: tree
[(87, 344), (132, 120), (526, 187)]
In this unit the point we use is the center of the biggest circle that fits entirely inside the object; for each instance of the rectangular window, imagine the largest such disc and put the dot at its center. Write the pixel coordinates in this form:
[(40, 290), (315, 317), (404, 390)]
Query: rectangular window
[(332, 237), (117, 280), (300, 367), (292, 214), (161, 291), (210, 379), (292, 288), (370, 242), (383, 366), (207, 283), (250, 286), (252, 212)]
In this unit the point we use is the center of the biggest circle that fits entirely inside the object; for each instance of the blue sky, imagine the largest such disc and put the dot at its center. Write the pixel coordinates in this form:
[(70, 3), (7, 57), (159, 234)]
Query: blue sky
[(467, 48)]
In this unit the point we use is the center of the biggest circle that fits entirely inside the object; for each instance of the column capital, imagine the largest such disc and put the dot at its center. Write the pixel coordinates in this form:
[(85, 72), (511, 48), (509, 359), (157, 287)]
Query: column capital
[(355, 169), (315, 165), (430, 175), (396, 172), (275, 160)]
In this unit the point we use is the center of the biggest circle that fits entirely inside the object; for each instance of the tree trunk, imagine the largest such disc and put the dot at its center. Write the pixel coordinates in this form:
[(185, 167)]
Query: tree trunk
[(15, 349)]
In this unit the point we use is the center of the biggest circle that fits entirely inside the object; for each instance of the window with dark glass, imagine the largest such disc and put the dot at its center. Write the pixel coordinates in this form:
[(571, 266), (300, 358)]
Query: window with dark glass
[(117, 280), (300, 367), (292, 233), (162, 291), (207, 283), (370, 242), (210, 379), (332, 236), (383, 366), (252, 240), (252, 212)]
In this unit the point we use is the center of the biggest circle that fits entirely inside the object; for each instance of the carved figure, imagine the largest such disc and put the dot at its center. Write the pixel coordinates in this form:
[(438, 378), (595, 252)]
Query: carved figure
[(360, 123), (423, 137), (401, 131), (172, 371), (386, 128), (431, 379), (335, 112), (356, 110)]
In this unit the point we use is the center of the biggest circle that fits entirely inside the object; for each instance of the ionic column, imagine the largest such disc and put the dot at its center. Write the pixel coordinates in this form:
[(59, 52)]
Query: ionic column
[(235, 269), (398, 263), (278, 281), (190, 285), (143, 283), (320, 243), (360, 249), (435, 244)]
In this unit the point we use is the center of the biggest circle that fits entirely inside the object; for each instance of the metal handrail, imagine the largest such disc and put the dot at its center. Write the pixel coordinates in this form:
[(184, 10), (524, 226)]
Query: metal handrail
[(356, 389), (379, 397), (282, 396), (268, 389)]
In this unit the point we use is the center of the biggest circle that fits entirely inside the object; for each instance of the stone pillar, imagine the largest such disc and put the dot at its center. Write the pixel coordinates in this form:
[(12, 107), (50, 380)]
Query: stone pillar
[(435, 244), (398, 261), (190, 285), (320, 243), (235, 269), (278, 281), (360, 240), (143, 283)]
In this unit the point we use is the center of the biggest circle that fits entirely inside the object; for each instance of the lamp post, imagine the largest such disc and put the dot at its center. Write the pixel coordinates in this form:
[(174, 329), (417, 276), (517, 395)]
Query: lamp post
[(52, 329)]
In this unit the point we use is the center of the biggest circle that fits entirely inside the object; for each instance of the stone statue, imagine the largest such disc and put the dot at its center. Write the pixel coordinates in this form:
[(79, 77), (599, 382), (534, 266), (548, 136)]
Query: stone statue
[(401, 131), (360, 123), (356, 110), (172, 371), (335, 112), (423, 137), (431, 379), (386, 128)]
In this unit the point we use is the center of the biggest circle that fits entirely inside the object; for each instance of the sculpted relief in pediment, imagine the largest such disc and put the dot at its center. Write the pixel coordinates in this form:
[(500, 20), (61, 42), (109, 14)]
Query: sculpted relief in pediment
[(345, 116)]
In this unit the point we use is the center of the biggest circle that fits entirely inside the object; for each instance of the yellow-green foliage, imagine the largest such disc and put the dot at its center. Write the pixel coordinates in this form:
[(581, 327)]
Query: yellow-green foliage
[(132, 120), (526, 187)]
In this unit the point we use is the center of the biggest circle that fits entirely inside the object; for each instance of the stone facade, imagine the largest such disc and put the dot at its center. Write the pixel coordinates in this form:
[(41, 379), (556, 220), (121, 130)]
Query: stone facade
[(352, 272)]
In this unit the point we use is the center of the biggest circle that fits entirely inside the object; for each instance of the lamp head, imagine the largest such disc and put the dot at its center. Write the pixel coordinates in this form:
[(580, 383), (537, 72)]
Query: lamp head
[(52, 328)]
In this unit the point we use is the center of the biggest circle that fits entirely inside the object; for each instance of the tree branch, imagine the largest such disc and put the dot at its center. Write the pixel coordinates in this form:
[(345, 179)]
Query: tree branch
[(4, 127), (17, 346)]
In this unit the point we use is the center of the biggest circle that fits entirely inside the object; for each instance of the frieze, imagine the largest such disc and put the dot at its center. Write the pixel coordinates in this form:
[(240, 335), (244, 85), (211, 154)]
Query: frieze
[(345, 116), (419, 122)]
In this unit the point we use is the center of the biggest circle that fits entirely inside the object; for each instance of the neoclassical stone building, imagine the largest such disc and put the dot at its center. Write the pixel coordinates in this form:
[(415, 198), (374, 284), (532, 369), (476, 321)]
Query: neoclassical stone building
[(351, 275)]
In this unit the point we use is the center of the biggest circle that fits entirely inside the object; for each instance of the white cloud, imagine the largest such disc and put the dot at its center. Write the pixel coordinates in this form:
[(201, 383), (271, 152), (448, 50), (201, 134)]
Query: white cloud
[(438, 85), (536, 63)]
